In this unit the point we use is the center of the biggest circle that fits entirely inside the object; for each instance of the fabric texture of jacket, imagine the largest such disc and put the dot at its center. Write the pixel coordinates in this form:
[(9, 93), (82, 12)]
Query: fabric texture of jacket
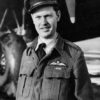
[(62, 75)]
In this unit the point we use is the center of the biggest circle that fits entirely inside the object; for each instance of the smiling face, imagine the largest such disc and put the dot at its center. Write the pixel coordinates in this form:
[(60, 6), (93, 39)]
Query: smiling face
[(45, 21)]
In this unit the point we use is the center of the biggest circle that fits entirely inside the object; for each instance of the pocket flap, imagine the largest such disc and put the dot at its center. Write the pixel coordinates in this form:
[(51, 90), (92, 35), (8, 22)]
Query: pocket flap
[(57, 72)]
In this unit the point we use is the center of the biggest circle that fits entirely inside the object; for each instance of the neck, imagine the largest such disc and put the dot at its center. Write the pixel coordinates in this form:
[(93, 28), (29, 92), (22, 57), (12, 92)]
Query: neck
[(49, 40)]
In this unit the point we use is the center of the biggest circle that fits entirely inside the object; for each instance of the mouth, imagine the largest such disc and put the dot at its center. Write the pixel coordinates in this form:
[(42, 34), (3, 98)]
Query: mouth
[(45, 28)]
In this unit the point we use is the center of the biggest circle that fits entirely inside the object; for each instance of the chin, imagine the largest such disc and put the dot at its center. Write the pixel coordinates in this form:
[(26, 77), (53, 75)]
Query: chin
[(45, 34)]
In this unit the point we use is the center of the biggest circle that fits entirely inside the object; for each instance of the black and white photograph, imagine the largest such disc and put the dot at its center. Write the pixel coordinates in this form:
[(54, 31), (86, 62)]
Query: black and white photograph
[(49, 49)]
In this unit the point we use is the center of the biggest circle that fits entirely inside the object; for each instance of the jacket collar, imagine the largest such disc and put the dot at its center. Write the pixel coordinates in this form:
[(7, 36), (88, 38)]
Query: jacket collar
[(62, 46), (34, 44), (59, 45)]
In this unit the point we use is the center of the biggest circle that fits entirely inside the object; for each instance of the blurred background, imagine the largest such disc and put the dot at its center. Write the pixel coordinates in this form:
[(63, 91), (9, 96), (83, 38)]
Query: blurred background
[(87, 15), (83, 29)]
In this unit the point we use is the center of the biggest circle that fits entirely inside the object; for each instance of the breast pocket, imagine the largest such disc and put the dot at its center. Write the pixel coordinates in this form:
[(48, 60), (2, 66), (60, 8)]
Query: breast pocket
[(24, 86), (54, 77), (57, 72)]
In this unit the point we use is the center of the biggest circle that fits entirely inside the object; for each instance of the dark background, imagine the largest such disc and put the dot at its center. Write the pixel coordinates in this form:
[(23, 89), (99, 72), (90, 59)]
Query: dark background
[(87, 18)]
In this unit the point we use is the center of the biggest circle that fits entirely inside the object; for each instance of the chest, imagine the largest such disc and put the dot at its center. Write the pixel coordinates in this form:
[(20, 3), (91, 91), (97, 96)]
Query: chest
[(50, 79)]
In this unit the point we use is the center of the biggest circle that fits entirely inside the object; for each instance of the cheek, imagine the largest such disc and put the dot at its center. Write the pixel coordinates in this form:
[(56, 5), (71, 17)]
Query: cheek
[(36, 23), (54, 23), (50, 21)]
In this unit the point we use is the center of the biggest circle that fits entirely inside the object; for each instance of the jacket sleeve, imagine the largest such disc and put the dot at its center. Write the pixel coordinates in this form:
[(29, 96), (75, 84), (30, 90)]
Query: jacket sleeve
[(83, 87)]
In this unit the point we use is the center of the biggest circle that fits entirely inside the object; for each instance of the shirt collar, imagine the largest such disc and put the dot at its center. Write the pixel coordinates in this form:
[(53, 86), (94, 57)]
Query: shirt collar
[(49, 43)]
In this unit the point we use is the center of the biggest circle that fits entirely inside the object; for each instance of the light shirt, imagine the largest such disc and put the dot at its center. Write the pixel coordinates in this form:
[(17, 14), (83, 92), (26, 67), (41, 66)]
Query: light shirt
[(50, 43)]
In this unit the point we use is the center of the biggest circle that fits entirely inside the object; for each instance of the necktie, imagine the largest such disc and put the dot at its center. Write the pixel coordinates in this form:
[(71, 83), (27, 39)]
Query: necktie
[(40, 51)]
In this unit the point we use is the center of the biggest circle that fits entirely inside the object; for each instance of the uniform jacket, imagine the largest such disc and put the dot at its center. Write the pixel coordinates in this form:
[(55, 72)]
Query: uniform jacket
[(62, 75)]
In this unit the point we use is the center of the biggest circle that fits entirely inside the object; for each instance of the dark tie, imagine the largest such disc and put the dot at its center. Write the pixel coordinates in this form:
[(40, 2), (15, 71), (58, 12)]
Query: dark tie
[(40, 51)]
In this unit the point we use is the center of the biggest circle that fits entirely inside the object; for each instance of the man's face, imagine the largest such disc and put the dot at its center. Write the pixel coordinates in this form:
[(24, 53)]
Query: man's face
[(45, 21)]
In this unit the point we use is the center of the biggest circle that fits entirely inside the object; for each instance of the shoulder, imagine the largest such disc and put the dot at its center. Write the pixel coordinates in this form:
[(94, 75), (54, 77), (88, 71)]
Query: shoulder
[(30, 47), (74, 49), (72, 45)]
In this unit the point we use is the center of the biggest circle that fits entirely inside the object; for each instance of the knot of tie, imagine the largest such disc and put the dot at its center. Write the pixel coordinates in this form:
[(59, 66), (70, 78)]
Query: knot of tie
[(40, 51)]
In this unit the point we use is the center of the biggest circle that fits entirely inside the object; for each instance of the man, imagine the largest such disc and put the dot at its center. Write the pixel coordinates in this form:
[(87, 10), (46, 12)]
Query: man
[(61, 74)]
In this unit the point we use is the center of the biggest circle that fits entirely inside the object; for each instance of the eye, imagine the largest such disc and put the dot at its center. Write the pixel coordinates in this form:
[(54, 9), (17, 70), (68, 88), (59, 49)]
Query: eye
[(38, 17), (48, 16)]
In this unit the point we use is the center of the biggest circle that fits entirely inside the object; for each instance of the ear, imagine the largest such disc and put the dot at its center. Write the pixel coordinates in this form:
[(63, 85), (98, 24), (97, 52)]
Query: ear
[(58, 15)]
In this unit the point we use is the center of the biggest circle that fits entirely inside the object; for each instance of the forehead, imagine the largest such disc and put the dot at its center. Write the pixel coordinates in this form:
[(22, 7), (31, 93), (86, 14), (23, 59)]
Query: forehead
[(44, 10)]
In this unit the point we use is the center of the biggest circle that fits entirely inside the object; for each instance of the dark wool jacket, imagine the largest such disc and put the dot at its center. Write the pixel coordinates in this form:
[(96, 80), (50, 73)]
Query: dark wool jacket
[(62, 75)]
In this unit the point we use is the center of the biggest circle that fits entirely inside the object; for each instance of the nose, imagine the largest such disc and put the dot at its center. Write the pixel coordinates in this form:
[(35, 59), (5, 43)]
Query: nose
[(44, 21)]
